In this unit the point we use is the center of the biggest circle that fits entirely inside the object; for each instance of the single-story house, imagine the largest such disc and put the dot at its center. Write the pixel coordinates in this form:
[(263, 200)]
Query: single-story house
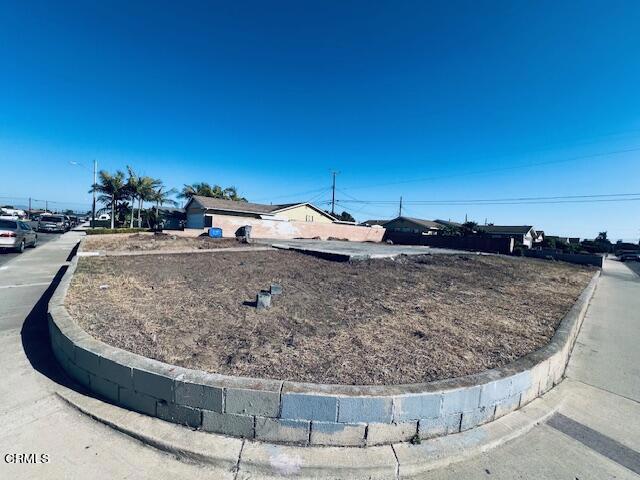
[(525, 234), (374, 223), (412, 225), (448, 223), (201, 212)]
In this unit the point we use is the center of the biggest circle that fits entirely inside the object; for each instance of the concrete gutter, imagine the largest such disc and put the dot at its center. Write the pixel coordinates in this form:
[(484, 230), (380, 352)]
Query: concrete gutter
[(252, 459)]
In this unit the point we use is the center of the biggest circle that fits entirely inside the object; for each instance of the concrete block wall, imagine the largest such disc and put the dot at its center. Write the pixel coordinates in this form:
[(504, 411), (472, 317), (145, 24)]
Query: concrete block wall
[(302, 413), (288, 229)]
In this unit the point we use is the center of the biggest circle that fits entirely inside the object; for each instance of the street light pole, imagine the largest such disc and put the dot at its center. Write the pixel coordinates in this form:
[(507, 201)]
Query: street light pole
[(93, 187), (333, 195), (93, 190)]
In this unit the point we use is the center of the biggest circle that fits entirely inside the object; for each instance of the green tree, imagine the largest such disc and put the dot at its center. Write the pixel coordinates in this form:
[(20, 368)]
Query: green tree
[(203, 189), (133, 190), (231, 193), (161, 196), (343, 217), (111, 189), (469, 228)]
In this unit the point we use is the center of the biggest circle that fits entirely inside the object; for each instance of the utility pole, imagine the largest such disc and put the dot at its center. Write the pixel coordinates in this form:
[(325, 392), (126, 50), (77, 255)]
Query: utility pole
[(333, 195), (29, 208), (93, 188), (46, 206), (400, 210)]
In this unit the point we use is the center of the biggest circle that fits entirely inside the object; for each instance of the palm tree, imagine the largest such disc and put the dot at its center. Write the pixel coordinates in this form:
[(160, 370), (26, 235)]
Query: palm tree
[(203, 189), (132, 190), (146, 189), (111, 189), (231, 193), (161, 196)]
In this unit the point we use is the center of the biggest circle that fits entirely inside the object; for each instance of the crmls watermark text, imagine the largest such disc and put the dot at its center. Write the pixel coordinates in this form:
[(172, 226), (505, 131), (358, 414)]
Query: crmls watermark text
[(26, 458)]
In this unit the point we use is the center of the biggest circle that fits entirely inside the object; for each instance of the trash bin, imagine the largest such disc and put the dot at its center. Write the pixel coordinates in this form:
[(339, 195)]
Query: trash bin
[(215, 232)]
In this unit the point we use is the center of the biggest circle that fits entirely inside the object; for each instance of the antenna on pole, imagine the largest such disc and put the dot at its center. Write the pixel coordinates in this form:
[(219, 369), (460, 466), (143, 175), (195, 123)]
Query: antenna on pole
[(333, 194), (400, 209)]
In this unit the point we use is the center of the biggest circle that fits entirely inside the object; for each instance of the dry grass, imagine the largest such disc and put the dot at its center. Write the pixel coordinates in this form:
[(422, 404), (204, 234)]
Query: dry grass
[(398, 321), (163, 242)]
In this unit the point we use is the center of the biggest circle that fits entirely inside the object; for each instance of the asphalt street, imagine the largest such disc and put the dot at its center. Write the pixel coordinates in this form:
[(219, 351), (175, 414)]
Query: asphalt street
[(7, 255)]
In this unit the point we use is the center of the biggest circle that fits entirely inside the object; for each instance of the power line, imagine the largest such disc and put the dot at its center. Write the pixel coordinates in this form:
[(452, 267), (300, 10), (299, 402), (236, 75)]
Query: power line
[(498, 169), (288, 195), (333, 193), (609, 197)]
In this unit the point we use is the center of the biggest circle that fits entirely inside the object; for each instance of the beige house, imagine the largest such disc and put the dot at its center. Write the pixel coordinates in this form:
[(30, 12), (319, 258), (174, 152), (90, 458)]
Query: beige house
[(303, 212), (203, 212)]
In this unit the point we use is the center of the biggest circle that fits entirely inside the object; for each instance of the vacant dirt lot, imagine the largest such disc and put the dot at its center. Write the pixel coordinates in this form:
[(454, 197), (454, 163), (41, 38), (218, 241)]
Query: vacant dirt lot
[(408, 320), (140, 242)]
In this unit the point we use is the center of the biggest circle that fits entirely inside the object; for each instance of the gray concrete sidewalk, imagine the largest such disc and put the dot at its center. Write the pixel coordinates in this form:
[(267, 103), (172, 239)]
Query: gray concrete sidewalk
[(596, 433), (601, 438), (33, 418)]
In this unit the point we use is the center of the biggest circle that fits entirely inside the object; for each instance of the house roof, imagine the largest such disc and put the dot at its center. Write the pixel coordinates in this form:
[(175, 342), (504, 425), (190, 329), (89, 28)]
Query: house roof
[(209, 203), (506, 229), (418, 221), (448, 223), (287, 206), (171, 209), (375, 222)]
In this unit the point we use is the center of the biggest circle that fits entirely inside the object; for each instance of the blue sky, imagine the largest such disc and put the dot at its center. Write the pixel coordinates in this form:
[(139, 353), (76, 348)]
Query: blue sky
[(434, 101)]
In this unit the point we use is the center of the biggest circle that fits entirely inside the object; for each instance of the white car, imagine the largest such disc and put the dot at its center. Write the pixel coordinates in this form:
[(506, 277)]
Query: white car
[(17, 235)]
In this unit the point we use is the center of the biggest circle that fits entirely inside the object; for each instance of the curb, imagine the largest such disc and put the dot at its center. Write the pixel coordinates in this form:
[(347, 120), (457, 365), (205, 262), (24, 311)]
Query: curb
[(251, 459), (304, 413)]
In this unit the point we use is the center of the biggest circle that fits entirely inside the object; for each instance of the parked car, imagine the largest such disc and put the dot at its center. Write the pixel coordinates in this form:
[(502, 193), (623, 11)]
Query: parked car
[(52, 223), (17, 235), (629, 257)]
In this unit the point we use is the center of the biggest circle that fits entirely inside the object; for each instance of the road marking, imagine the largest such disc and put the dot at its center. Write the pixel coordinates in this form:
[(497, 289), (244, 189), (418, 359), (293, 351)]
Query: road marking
[(607, 446), (25, 285)]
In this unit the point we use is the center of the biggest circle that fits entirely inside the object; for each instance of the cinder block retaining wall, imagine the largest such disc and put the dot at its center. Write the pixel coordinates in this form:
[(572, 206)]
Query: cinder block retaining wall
[(304, 413)]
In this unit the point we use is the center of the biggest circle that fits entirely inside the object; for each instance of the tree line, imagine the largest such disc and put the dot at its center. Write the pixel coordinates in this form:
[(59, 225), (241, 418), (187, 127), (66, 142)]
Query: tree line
[(125, 195)]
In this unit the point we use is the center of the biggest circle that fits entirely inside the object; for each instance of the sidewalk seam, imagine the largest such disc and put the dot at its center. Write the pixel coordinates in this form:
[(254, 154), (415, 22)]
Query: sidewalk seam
[(237, 467), (603, 389), (393, 449)]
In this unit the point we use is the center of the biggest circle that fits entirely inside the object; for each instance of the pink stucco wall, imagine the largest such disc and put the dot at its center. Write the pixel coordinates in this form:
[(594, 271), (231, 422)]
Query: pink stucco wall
[(284, 230)]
